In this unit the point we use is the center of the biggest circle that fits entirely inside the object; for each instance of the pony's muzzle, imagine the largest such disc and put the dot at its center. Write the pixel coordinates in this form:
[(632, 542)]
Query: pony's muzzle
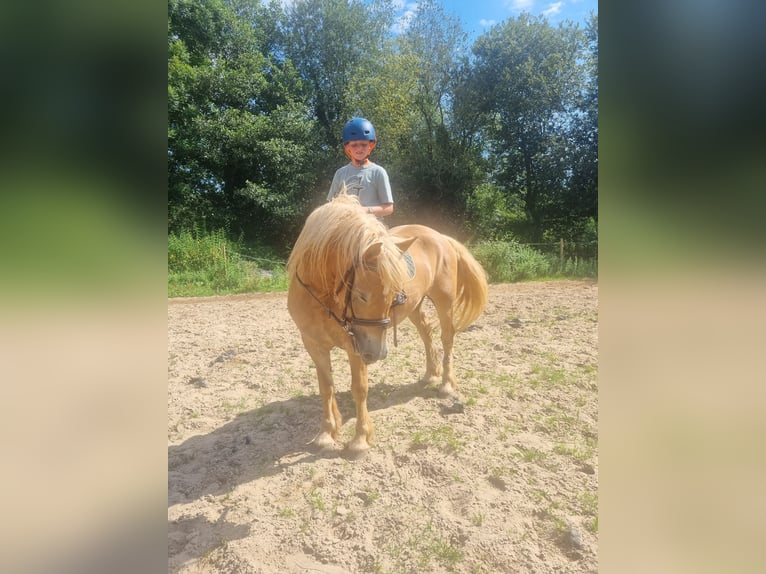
[(369, 338), (370, 358), (369, 349)]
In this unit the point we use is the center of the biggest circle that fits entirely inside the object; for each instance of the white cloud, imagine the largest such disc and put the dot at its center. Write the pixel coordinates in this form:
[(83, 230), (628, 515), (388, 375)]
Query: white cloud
[(402, 21), (554, 8), (486, 23), (522, 5)]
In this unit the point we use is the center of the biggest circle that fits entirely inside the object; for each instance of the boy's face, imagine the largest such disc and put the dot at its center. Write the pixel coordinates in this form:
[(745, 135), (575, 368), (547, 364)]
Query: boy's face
[(359, 150)]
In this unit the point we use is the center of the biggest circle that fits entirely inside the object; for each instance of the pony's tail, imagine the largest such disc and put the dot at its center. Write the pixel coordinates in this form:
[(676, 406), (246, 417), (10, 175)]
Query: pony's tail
[(471, 287)]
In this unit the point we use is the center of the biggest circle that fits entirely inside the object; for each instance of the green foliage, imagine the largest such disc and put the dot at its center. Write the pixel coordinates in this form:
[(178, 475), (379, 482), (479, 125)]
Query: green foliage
[(574, 267), (493, 215), (202, 264), (208, 263), (436, 163), (509, 261), (331, 42), (526, 83), (240, 141), (258, 93), (316, 501), (196, 251)]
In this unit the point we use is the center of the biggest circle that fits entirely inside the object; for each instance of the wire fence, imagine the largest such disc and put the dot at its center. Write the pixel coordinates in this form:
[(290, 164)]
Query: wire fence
[(563, 249), (271, 262), (567, 249)]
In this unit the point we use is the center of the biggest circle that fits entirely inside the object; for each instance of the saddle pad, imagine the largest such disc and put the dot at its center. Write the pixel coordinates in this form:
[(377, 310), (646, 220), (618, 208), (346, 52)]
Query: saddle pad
[(410, 264)]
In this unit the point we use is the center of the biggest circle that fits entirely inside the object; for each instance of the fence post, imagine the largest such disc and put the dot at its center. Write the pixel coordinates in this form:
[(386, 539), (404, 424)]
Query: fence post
[(225, 266), (561, 250)]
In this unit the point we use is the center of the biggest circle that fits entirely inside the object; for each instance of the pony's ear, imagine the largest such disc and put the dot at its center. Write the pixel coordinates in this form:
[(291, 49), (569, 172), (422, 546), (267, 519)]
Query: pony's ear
[(372, 253), (404, 245)]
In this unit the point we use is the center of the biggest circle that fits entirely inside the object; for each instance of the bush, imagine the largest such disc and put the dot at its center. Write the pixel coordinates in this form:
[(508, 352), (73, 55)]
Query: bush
[(208, 263), (575, 267), (199, 251), (509, 261), (493, 215)]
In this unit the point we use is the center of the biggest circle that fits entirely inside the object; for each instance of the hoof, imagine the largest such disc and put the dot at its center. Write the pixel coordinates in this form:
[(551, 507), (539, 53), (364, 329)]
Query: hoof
[(430, 379), (357, 448), (323, 442), (447, 390)]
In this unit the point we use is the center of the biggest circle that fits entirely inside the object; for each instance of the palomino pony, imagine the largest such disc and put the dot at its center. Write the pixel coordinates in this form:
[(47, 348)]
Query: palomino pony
[(351, 279)]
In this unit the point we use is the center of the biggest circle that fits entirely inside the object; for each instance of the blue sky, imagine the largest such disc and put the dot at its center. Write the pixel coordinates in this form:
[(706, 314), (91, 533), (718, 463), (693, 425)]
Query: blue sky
[(477, 16)]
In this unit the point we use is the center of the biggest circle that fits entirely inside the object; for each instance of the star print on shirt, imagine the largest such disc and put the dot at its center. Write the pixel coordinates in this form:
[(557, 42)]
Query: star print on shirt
[(354, 185)]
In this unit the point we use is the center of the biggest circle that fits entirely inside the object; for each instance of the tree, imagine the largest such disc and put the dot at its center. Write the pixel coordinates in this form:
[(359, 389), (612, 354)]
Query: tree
[(258, 94), (437, 166), (581, 201), (331, 43), (239, 141), (525, 82)]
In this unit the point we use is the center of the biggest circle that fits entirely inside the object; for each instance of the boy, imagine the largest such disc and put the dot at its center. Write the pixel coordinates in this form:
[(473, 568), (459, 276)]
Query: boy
[(363, 178)]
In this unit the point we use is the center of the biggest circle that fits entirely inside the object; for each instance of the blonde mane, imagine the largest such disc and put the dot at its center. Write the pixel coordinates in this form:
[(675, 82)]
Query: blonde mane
[(335, 238)]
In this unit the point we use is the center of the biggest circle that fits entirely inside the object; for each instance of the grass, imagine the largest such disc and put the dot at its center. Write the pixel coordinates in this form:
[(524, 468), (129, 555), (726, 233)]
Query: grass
[(592, 525), (579, 454), (443, 437), (544, 375), (560, 528), (559, 424), (532, 454), (501, 476), (422, 548), (230, 408), (316, 501), (370, 496), (508, 262), (209, 263), (204, 263), (512, 386), (589, 503)]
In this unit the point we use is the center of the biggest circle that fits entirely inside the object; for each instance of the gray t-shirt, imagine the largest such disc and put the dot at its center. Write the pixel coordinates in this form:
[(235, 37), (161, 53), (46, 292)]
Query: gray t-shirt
[(369, 183)]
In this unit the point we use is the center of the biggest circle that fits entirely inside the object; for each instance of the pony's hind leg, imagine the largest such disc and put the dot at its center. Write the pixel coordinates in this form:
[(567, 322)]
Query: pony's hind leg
[(425, 330), (331, 417), (449, 383)]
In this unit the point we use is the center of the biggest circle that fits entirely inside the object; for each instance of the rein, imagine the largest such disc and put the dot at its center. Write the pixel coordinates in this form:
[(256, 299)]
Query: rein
[(330, 313), (347, 321)]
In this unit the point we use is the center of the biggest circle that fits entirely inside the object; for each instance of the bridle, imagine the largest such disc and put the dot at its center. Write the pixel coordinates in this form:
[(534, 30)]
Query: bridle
[(348, 320)]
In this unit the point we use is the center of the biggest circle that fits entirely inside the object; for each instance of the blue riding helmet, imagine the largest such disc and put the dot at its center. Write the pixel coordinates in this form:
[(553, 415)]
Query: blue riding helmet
[(358, 129)]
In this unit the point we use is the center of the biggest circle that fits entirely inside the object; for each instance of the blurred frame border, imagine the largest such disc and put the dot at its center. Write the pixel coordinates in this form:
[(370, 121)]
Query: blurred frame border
[(83, 287), (682, 308), (682, 305)]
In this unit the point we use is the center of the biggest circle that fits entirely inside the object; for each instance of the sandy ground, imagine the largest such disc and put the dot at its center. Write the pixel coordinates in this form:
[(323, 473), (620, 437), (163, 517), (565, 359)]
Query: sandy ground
[(508, 483)]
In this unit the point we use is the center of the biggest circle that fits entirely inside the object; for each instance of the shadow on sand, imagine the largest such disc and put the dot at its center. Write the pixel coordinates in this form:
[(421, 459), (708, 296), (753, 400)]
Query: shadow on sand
[(251, 446)]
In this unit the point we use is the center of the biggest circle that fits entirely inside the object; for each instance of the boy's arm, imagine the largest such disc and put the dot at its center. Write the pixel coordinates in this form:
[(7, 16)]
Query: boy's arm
[(334, 186), (384, 188)]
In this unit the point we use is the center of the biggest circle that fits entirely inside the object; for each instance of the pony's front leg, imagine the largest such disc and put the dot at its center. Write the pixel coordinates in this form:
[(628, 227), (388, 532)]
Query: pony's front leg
[(331, 417), (359, 385)]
